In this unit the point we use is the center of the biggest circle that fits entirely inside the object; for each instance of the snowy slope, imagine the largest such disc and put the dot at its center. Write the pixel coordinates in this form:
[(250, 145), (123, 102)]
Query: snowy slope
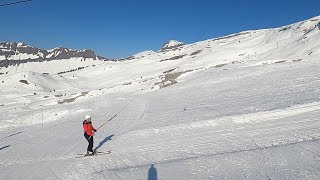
[(243, 106)]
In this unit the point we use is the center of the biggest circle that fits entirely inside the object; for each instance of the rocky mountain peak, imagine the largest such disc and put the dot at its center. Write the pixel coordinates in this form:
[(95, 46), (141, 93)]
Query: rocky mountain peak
[(171, 44)]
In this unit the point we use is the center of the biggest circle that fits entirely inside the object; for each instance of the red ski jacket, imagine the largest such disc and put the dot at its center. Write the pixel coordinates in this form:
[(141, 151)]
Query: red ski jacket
[(88, 128)]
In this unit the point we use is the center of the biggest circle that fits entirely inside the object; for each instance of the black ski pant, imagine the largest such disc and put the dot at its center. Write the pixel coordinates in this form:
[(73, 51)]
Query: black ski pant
[(90, 141)]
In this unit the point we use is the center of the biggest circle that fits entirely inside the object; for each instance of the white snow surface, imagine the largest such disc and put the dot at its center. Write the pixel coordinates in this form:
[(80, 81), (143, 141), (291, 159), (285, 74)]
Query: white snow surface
[(143, 54), (243, 106), (23, 56)]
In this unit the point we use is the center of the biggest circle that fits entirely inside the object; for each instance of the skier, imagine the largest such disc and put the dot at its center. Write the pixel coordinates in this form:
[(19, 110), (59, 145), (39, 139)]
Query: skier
[(89, 131)]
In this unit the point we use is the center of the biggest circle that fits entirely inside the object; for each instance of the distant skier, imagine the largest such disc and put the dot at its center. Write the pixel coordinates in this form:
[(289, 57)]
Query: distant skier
[(89, 131)]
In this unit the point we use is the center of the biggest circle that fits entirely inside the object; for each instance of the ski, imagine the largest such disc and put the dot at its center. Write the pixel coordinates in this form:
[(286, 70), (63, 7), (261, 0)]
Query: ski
[(95, 154), (103, 152)]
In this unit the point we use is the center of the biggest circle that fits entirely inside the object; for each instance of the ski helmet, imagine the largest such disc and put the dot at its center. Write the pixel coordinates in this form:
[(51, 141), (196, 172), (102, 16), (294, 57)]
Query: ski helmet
[(87, 117)]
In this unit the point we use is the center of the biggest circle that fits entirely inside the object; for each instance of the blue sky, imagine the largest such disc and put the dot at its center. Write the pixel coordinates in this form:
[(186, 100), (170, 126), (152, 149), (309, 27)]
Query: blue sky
[(121, 28)]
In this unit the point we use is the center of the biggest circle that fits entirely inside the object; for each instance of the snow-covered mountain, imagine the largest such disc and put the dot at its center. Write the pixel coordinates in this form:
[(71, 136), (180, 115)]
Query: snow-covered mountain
[(19, 55), (22, 51), (242, 106), (171, 45)]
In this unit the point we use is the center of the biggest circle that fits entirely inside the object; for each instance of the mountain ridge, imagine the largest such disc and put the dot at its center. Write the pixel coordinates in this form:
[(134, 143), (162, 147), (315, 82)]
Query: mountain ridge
[(15, 53)]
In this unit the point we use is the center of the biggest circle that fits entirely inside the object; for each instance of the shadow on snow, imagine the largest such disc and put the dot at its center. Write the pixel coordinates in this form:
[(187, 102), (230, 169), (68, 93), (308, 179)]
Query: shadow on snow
[(103, 142), (4, 147), (12, 135), (152, 173)]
